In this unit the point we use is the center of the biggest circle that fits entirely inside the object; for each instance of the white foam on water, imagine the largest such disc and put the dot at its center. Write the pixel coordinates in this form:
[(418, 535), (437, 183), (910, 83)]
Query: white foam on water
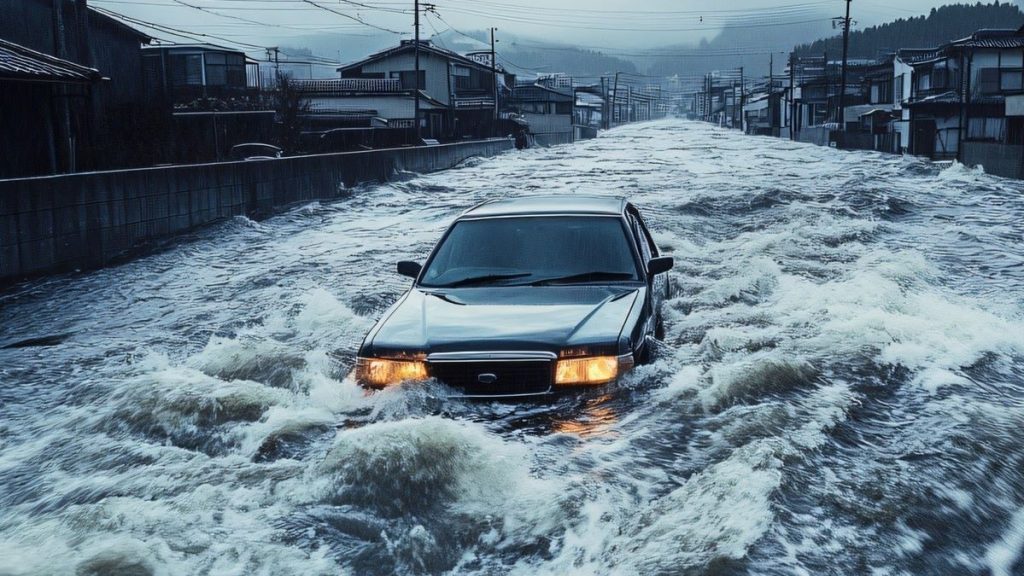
[(771, 299), (421, 457), (1003, 555)]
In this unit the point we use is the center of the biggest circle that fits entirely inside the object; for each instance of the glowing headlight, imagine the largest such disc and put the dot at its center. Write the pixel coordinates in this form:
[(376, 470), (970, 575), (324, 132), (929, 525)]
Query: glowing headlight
[(382, 372), (592, 370)]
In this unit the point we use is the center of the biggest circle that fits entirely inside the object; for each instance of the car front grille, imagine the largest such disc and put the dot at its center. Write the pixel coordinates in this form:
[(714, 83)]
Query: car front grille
[(510, 377)]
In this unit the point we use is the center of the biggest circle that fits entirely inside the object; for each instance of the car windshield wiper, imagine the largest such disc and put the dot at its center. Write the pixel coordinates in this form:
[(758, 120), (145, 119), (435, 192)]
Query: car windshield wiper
[(594, 276), (486, 279)]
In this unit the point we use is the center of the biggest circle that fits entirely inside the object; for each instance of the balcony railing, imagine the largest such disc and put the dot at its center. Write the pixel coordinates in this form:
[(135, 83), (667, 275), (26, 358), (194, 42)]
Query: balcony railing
[(349, 85)]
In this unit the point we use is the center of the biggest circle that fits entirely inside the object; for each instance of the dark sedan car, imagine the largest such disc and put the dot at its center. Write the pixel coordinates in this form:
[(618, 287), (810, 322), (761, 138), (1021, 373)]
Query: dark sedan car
[(522, 297)]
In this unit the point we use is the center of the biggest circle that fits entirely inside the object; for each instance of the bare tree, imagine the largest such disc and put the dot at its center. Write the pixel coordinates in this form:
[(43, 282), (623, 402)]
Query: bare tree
[(290, 107)]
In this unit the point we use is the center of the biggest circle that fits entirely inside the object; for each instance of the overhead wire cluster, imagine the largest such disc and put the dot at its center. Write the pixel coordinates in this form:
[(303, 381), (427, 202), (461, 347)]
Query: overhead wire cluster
[(240, 23)]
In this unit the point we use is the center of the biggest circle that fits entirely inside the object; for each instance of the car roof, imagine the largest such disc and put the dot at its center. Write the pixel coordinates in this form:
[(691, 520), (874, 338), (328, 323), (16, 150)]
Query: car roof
[(546, 205)]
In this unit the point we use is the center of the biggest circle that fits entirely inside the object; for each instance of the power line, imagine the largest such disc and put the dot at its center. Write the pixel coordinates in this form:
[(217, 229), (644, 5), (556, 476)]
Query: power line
[(696, 53), (351, 17), (620, 28), (173, 31), (660, 14)]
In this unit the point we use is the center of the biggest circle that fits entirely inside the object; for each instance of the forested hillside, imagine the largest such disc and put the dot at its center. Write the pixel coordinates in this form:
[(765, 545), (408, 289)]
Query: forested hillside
[(940, 26)]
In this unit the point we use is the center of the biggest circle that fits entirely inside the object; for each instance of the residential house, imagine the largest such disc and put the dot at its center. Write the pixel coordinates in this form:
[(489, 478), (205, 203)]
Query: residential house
[(814, 88), (766, 110), (186, 73), (456, 92), (868, 108), (588, 112), (816, 116), (547, 110), (79, 89), (959, 101), (39, 131), (902, 89), (215, 95)]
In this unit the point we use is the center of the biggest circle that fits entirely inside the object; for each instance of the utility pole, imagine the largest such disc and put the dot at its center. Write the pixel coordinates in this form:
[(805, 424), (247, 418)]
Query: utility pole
[(615, 98), (629, 103), (277, 65), (707, 97), (792, 97), (494, 78), (828, 87), (604, 106), (63, 156), (416, 72), (842, 82), (741, 98)]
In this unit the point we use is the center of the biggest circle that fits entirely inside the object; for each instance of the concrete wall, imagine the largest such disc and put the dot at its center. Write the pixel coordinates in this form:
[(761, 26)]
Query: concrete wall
[(815, 135), (79, 221), (999, 159), (549, 123), (553, 139)]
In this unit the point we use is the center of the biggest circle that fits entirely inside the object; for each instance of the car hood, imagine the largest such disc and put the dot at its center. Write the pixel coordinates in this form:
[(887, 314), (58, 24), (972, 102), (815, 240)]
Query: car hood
[(548, 318)]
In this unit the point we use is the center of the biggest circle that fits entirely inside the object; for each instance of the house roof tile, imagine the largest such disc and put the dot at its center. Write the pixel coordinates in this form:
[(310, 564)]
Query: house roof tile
[(20, 63)]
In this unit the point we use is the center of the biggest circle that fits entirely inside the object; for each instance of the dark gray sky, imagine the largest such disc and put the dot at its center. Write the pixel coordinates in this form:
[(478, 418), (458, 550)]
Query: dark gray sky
[(599, 23)]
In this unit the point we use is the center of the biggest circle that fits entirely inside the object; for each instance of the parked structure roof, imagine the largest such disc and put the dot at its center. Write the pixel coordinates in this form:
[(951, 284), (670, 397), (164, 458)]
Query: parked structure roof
[(24, 64)]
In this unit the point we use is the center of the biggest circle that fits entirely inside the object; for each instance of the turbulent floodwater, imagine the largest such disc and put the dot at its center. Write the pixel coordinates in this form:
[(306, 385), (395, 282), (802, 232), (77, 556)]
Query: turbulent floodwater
[(841, 389)]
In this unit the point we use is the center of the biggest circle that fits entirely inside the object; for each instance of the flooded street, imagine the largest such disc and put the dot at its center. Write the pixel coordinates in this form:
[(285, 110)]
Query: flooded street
[(840, 390)]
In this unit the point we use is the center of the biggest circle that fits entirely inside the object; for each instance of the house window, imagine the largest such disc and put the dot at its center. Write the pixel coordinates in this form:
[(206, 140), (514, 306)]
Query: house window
[(216, 70), (186, 69), (881, 92), (563, 108), (898, 88), (466, 80), (406, 76), (988, 80), (924, 82), (1011, 81), (235, 69), (985, 129)]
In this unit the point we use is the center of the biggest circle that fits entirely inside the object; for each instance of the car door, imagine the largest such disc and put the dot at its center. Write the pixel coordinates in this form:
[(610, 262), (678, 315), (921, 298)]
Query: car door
[(656, 285)]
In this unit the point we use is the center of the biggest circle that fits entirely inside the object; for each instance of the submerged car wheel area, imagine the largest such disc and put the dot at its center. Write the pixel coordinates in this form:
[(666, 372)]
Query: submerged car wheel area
[(523, 297)]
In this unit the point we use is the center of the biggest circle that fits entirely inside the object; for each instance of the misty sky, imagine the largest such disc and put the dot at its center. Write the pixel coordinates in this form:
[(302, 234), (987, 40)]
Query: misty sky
[(618, 24)]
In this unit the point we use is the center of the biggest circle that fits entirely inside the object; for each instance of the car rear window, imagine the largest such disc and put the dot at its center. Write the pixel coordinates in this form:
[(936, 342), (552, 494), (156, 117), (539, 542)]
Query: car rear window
[(533, 248)]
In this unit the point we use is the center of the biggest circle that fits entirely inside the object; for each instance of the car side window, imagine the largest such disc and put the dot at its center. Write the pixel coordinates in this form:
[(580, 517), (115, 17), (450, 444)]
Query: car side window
[(641, 238), (646, 234)]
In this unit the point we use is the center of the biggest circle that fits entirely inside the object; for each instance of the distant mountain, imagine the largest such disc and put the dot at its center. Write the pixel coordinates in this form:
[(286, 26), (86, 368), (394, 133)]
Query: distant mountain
[(942, 25), (527, 57), (523, 56), (736, 46)]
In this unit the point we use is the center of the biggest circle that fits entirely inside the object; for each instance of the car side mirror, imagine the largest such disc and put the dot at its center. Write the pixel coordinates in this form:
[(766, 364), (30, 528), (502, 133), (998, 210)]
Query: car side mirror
[(660, 265), (410, 269)]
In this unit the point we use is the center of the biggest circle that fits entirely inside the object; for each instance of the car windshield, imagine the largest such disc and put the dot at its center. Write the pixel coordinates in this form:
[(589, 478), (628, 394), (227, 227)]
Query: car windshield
[(516, 251)]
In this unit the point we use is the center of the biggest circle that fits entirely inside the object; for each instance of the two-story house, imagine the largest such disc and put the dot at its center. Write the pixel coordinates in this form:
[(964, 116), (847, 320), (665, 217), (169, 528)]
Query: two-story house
[(958, 102), (214, 92), (184, 73), (547, 108), (456, 92), (902, 90)]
